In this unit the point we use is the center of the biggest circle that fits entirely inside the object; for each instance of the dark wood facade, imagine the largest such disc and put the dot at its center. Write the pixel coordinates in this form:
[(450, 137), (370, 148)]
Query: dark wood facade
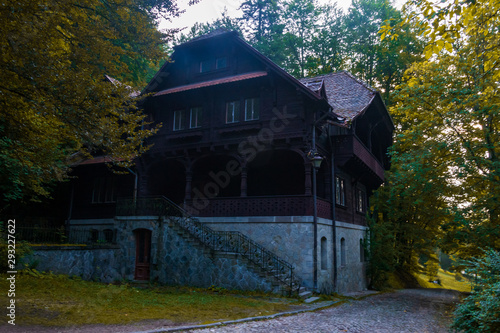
[(235, 137)]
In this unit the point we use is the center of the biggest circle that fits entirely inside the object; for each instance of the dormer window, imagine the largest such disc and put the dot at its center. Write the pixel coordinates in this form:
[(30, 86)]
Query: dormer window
[(205, 66), (221, 63), (251, 109)]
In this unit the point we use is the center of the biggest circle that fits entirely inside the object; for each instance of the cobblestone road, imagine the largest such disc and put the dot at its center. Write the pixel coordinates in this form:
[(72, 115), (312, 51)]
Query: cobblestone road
[(410, 310)]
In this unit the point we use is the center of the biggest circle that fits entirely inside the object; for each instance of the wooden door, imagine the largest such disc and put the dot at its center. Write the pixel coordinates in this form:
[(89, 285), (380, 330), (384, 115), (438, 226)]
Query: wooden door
[(142, 254)]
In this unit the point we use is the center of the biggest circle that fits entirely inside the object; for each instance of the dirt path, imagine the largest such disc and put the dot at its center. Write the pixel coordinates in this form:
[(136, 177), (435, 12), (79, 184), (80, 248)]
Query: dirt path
[(409, 310)]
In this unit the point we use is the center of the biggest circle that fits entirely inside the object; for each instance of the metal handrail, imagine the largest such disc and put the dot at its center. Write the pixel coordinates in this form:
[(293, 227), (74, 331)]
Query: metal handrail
[(224, 241)]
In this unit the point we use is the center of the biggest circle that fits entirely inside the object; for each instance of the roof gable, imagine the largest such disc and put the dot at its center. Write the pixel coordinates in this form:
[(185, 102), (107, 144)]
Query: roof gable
[(230, 37)]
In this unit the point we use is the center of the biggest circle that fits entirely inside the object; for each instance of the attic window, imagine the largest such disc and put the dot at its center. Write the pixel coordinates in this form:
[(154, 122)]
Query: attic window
[(205, 66), (221, 63)]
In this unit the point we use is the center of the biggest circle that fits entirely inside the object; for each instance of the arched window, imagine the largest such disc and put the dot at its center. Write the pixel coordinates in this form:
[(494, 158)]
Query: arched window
[(324, 259), (342, 252)]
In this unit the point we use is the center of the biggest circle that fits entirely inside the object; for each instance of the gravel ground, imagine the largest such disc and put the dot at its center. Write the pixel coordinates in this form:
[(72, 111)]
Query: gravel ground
[(409, 310)]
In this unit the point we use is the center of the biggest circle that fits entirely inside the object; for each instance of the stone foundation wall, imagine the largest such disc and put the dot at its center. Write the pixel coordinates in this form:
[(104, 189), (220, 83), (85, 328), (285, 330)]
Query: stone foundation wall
[(98, 264), (178, 260), (351, 276)]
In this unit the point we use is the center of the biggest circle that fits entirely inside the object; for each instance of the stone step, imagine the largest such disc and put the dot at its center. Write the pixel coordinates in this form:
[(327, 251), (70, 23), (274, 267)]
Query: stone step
[(305, 294), (311, 299)]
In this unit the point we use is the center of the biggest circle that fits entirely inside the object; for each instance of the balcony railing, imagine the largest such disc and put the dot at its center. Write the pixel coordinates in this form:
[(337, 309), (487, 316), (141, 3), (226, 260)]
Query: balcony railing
[(293, 205), (224, 241)]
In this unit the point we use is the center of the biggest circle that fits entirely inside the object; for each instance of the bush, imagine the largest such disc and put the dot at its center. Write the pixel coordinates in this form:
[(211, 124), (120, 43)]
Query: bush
[(480, 312), (20, 250)]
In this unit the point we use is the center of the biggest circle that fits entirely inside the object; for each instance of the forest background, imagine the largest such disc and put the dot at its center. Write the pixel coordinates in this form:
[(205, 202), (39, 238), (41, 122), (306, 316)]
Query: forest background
[(435, 63)]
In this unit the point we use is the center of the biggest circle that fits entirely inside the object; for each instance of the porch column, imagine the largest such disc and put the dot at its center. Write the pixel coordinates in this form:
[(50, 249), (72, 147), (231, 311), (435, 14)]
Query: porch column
[(189, 180), (243, 182), (308, 178)]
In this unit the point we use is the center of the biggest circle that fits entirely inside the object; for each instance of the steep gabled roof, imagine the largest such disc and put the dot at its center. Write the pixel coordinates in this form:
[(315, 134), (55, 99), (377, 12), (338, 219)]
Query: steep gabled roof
[(348, 96), (223, 33)]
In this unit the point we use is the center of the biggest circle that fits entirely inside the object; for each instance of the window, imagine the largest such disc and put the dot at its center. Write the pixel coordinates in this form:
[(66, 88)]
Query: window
[(360, 201), (251, 109), (220, 63), (195, 117), (339, 191), (205, 66), (342, 252), (232, 112), (178, 120), (108, 235), (324, 257), (104, 190)]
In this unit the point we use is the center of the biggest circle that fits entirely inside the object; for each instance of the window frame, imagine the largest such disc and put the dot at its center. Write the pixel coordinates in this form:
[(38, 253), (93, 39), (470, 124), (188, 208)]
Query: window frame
[(205, 66), (198, 112), (255, 108), (340, 191), (360, 200), (217, 62), (178, 120), (235, 111)]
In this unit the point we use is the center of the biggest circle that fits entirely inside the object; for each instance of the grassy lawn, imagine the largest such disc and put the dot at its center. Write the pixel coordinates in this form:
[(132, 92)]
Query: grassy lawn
[(448, 281), (57, 300)]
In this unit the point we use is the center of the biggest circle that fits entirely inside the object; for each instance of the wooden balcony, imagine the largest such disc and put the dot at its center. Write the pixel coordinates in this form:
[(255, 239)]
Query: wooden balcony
[(295, 205), (350, 150)]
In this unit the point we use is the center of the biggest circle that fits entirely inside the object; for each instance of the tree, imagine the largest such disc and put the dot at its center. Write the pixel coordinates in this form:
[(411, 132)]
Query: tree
[(445, 160), (56, 106), (380, 62)]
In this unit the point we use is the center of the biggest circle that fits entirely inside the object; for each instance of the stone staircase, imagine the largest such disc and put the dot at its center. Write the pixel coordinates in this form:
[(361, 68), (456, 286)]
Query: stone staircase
[(215, 243)]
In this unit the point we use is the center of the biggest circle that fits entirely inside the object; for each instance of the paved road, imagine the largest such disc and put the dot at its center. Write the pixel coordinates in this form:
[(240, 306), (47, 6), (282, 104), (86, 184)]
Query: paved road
[(410, 310)]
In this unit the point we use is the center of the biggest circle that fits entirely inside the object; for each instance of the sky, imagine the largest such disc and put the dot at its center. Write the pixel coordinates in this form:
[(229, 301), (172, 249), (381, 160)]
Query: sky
[(209, 10)]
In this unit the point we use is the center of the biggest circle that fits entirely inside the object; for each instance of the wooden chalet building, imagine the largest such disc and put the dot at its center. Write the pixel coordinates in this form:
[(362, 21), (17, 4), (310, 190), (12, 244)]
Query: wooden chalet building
[(236, 149)]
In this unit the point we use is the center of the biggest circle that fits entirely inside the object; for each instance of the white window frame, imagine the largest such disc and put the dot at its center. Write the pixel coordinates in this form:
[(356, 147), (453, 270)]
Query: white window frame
[(195, 116), (252, 113), (178, 121), (232, 112)]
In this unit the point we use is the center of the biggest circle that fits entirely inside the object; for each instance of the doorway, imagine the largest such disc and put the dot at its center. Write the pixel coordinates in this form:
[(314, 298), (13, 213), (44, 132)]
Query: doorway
[(142, 254)]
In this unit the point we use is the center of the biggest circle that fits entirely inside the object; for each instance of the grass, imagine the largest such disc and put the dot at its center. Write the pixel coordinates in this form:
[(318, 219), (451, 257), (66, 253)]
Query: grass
[(58, 300), (448, 281)]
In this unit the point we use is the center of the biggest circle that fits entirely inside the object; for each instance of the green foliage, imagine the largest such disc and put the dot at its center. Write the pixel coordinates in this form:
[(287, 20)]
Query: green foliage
[(382, 253), (55, 105), (480, 312), (56, 300), (432, 268), (21, 249)]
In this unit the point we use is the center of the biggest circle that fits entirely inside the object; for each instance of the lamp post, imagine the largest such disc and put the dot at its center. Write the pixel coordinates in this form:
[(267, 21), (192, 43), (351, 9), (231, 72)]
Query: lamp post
[(316, 160)]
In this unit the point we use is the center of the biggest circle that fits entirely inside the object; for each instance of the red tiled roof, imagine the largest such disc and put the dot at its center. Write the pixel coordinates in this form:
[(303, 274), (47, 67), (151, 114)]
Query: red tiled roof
[(348, 96), (204, 84)]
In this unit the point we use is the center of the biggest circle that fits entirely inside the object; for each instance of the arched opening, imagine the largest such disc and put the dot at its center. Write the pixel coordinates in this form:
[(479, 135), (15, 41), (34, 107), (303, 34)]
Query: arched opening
[(276, 172), (324, 259), (342, 252), (216, 176), (167, 178)]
